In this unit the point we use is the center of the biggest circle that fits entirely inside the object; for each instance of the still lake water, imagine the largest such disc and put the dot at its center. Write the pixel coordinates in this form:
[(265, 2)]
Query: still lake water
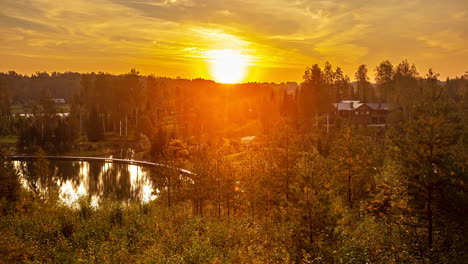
[(95, 179)]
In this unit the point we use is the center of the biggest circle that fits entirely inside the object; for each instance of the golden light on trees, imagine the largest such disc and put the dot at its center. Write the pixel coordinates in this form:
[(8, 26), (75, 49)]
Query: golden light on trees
[(228, 66)]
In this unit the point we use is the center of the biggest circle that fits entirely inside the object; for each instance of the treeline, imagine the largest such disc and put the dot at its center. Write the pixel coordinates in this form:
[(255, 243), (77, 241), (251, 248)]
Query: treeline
[(193, 110), (46, 129), (24, 89), (180, 108), (131, 105), (399, 85)]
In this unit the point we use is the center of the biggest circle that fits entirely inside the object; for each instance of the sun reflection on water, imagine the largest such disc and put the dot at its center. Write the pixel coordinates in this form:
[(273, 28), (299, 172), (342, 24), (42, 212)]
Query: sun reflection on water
[(128, 182)]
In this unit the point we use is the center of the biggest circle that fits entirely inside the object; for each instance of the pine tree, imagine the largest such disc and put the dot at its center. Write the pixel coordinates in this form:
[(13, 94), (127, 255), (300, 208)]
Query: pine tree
[(383, 77), (9, 181), (352, 158), (425, 150), (94, 128)]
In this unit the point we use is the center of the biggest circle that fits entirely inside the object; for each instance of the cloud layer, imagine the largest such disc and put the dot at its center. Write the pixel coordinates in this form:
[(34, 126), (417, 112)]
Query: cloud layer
[(171, 37)]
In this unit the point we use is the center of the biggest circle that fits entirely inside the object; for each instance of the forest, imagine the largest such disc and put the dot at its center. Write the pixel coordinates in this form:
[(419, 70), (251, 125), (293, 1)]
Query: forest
[(274, 180)]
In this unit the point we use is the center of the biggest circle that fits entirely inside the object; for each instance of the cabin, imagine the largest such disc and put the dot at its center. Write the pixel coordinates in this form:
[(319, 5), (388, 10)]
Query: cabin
[(363, 114), (58, 100)]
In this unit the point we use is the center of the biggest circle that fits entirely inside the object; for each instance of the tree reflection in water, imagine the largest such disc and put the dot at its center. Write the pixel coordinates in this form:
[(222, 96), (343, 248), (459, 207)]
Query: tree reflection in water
[(94, 179)]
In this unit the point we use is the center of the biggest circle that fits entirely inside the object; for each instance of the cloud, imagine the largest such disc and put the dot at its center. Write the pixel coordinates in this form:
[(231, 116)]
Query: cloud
[(280, 34), (250, 15), (15, 22)]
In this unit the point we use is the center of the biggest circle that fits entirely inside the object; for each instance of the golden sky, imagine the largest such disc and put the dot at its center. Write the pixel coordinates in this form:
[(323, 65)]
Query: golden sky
[(276, 38)]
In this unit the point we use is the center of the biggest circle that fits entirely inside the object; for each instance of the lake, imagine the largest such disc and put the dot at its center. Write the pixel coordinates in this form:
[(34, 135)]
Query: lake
[(95, 179)]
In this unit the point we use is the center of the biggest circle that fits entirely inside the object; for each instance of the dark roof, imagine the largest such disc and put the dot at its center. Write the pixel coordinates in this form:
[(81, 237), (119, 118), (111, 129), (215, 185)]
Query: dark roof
[(382, 106)]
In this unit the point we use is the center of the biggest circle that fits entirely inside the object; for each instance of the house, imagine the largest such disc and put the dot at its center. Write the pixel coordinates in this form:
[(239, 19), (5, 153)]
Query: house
[(58, 100), (363, 113)]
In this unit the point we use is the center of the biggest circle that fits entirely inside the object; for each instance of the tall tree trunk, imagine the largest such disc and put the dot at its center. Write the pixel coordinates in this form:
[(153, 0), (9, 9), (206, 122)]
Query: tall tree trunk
[(201, 207), (169, 190), (429, 201), (228, 206), (349, 190), (316, 119), (429, 218), (287, 167), (252, 198), (104, 124), (81, 124), (309, 210), (219, 190)]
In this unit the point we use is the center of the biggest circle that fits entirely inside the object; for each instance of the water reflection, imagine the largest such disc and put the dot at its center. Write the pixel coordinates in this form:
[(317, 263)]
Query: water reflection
[(95, 179)]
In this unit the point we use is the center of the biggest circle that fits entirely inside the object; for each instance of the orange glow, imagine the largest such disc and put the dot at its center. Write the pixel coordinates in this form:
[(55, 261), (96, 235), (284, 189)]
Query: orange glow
[(228, 66)]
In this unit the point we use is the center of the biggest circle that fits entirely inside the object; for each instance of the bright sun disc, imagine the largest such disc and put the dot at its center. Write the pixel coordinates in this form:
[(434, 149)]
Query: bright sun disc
[(227, 66)]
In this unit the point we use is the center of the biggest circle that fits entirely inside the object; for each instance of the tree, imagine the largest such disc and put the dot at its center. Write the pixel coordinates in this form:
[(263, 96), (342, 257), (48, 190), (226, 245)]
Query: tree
[(176, 155), (94, 127), (158, 142), (329, 79), (269, 113), (314, 202), (383, 77), (364, 88), (9, 182), (40, 176), (342, 86), (314, 97), (4, 107), (425, 150), (145, 126), (352, 159), (407, 89), (135, 93), (48, 109), (4, 98)]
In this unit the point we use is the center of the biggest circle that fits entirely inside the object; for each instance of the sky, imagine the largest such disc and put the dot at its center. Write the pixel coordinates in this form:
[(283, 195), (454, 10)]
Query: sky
[(276, 39)]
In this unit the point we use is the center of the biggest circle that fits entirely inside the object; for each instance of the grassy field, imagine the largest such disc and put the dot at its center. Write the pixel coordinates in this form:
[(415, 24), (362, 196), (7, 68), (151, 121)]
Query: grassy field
[(10, 139), (109, 146), (22, 109), (17, 109)]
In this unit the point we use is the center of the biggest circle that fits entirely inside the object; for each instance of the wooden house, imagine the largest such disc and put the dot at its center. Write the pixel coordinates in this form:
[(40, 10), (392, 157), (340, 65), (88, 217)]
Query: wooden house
[(363, 113)]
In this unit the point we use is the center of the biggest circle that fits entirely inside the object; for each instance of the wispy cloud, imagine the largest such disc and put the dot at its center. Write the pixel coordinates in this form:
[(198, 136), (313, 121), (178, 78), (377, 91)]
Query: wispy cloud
[(15, 22), (169, 37)]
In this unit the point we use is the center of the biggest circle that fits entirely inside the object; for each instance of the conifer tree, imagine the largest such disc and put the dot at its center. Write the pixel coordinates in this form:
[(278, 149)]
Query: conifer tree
[(425, 150), (94, 129)]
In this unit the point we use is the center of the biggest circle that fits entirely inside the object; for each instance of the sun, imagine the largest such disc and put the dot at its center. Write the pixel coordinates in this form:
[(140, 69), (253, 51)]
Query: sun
[(227, 66)]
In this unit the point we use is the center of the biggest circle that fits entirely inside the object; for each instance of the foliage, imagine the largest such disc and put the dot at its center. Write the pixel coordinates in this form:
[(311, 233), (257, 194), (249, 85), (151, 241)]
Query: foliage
[(426, 148), (9, 184), (281, 194), (94, 127), (364, 89)]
